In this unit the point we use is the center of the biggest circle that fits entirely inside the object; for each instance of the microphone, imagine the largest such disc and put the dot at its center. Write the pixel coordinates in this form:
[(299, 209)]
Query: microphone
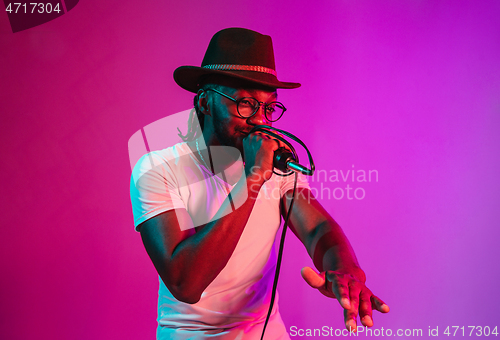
[(285, 161)]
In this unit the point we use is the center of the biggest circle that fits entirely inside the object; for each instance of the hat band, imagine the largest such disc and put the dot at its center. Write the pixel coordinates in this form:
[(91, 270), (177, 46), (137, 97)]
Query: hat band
[(231, 67)]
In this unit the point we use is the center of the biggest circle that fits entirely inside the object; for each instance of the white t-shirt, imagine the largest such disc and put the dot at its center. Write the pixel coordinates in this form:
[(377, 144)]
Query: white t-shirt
[(235, 304)]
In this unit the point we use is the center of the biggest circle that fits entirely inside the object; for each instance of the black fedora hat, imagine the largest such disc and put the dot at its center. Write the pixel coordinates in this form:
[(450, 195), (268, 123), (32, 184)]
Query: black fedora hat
[(237, 53)]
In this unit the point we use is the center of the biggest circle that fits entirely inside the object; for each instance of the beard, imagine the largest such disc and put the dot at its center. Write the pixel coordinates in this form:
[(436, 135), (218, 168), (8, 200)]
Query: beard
[(224, 136), (228, 137), (221, 131)]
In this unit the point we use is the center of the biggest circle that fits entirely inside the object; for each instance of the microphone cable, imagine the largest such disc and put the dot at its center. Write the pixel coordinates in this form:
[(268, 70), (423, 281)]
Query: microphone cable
[(265, 129)]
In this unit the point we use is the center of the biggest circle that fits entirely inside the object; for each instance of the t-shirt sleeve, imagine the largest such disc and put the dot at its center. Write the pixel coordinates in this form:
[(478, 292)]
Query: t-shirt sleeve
[(287, 182), (153, 188)]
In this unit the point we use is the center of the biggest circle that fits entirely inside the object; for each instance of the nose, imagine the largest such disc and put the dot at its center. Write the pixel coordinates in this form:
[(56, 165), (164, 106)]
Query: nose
[(259, 118)]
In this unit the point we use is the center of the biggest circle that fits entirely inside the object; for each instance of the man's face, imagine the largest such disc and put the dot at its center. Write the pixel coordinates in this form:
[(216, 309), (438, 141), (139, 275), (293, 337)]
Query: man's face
[(229, 127)]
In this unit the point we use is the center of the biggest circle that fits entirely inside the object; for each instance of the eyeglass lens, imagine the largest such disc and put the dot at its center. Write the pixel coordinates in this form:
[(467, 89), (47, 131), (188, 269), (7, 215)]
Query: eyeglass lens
[(248, 106)]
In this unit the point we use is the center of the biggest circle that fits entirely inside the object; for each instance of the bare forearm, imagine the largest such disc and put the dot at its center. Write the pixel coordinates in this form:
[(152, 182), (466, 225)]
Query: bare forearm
[(197, 260), (330, 249), (323, 238)]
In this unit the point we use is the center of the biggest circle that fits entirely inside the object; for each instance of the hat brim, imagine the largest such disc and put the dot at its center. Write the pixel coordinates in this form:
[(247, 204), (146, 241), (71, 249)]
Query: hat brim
[(188, 77)]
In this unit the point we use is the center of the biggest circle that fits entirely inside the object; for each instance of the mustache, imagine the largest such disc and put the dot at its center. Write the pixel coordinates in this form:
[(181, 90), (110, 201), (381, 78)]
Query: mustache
[(246, 132)]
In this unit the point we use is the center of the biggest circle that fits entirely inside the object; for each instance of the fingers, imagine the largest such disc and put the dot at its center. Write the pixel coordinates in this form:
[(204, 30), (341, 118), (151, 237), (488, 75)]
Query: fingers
[(351, 293), (379, 304), (312, 278), (279, 144), (271, 143), (365, 308), (355, 298), (351, 314), (317, 281), (364, 301), (340, 288)]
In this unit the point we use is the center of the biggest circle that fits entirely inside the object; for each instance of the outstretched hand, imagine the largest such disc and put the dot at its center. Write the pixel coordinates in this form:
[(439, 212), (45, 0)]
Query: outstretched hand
[(351, 292)]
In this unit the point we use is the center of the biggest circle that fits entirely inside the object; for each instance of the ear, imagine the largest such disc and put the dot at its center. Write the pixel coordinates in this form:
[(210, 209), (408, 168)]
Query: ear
[(203, 104)]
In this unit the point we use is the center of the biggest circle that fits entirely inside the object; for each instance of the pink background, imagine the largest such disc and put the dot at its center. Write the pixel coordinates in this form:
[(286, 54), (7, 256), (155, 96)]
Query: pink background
[(408, 88)]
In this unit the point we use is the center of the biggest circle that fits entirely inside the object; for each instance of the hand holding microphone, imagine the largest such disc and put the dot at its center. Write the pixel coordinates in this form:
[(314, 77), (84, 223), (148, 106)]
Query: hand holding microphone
[(286, 160)]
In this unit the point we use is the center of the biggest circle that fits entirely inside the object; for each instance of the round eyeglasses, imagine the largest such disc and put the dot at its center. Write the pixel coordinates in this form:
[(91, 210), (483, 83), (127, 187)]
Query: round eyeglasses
[(248, 106)]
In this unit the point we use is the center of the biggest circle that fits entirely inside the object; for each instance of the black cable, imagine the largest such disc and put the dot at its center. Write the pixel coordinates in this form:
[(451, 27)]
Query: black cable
[(280, 256), (266, 129)]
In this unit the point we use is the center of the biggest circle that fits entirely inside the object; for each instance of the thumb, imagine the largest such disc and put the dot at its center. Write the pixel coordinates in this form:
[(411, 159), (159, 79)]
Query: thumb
[(312, 278)]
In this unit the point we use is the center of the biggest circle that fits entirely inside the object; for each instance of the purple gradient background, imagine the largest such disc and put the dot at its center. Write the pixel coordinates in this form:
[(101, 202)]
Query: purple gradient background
[(409, 88)]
